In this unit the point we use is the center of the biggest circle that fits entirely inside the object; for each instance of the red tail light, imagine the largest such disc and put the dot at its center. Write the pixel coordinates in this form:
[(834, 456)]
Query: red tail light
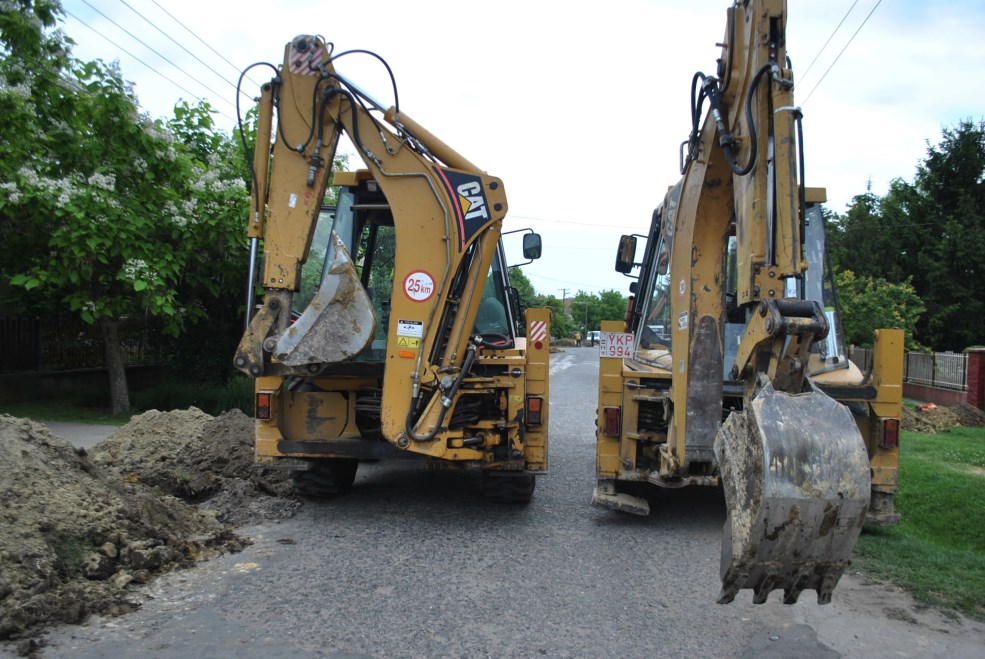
[(535, 406), (611, 421), (890, 433), (263, 405)]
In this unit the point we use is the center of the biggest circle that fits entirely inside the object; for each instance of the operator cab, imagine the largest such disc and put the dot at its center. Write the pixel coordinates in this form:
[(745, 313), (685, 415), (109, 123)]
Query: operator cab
[(363, 221), (651, 319)]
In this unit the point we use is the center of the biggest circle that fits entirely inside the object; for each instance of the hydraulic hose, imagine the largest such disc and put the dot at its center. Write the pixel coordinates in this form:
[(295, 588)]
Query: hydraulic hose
[(448, 397), (710, 90)]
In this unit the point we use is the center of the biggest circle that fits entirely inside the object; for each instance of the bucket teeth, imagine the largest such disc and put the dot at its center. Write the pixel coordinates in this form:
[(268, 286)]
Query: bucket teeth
[(796, 478)]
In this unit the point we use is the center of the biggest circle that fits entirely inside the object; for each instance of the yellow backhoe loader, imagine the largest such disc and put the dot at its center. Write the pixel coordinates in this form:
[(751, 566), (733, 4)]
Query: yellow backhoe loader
[(387, 326), (730, 366)]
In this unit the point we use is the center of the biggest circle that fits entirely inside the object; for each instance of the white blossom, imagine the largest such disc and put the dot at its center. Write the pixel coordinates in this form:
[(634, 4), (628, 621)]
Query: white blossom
[(103, 181), (137, 268), (29, 175), (13, 194)]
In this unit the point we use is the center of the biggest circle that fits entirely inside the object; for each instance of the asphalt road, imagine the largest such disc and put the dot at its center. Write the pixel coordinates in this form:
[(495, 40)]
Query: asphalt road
[(414, 563)]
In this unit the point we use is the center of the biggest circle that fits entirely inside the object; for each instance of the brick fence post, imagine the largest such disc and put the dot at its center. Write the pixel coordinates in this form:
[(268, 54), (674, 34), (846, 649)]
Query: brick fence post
[(976, 378)]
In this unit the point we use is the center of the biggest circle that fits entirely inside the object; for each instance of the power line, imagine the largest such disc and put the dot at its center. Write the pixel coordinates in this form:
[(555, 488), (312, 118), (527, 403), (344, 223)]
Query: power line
[(843, 50), (531, 275), (580, 224), (175, 42), (153, 50), (189, 92), (189, 31), (807, 70)]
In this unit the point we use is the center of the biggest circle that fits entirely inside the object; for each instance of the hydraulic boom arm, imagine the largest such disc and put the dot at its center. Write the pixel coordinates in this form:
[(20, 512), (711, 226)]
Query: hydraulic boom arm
[(792, 461), (443, 205)]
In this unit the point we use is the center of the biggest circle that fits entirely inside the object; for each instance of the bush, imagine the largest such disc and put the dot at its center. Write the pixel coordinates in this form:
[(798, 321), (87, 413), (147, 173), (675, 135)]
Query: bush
[(211, 397)]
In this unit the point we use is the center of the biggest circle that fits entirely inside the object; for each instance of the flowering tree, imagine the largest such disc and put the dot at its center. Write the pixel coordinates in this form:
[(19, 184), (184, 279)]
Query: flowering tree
[(110, 216)]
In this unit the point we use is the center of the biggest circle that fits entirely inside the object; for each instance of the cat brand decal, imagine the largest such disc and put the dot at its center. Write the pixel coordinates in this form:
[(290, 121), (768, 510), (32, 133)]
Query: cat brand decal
[(471, 207)]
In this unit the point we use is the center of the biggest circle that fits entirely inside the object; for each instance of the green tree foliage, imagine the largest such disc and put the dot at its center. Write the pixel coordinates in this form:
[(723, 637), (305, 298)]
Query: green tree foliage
[(871, 303), (561, 323), (525, 290), (611, 306), (115, 217), (932, 231), (947, 203)]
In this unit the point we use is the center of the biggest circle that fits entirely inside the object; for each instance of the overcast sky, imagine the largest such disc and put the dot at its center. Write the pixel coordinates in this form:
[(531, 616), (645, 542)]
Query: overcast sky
[(580, 107)]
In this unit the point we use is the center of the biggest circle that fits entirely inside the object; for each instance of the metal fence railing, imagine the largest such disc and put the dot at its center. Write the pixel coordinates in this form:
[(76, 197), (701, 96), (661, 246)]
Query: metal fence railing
[(32, 344), (944, 370)]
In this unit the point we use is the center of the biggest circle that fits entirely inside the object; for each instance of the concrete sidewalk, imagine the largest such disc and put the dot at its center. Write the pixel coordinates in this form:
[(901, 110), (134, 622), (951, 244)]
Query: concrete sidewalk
[(80, 435)]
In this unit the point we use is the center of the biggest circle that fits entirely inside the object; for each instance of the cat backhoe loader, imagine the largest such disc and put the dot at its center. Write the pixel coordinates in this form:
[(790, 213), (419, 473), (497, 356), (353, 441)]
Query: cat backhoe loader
[(730, 368), (387, 326)]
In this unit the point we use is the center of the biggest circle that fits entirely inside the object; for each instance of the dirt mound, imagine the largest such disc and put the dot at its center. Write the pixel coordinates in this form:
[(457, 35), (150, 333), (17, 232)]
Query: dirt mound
[(199, 458), (73, 537), (934, 418)]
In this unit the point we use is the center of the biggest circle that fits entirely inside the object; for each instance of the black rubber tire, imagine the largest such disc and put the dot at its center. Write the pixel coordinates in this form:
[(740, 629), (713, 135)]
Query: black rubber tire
[(508, 488), (327, 478)]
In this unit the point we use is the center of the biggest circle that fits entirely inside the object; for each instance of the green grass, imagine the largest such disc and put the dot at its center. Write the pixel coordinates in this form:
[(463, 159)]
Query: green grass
[(211, 398), (63, 410), (938, 550)]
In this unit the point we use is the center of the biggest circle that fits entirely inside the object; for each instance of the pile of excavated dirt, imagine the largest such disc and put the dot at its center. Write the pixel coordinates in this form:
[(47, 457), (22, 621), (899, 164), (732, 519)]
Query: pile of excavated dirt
[(73, 535), (162, 492), (940, 417), (202, 459)]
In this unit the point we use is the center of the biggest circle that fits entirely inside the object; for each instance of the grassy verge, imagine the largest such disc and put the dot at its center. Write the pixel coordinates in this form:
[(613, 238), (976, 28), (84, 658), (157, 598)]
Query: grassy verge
[(211, 398), (938, 551), (63, 410)]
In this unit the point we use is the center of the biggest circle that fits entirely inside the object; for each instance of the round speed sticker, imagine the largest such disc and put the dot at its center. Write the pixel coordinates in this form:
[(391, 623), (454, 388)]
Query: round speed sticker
[(419, 286)]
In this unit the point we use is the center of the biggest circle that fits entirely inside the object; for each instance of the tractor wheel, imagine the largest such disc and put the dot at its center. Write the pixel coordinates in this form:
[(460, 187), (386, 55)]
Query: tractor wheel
[(507, 487), (326, 478)]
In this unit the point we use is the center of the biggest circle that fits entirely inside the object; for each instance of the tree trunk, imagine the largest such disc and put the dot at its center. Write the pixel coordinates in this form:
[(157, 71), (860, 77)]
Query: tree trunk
[(119, 394)]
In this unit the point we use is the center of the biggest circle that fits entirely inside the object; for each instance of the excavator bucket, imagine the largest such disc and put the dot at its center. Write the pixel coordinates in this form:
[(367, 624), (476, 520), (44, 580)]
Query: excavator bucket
[(339, 321), (796, 478)]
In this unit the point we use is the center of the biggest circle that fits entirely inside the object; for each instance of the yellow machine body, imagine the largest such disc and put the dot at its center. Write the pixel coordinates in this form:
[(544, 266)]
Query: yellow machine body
[(387, 326), (736, 373)]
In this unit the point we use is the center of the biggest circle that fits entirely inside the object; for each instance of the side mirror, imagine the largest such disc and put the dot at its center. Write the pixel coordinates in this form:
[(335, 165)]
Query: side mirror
[(531, 246), (626, 257)]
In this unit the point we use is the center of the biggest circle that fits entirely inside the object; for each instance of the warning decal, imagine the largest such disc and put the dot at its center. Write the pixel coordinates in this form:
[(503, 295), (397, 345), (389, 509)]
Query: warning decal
[(410, 328), (305, 60), (408, 342), (538, 330)]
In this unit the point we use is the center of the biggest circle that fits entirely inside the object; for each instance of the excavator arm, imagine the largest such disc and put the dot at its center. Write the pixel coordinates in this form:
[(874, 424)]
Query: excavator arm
[(792, 461), (447, 215)]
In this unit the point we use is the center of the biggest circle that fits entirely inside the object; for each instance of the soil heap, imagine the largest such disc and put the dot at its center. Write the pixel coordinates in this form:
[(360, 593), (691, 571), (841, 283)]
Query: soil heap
[(201, 459), (72, 537), (162, 492), (934, 418)]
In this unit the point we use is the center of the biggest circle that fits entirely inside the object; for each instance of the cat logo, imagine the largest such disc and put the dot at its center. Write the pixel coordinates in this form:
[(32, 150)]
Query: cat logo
[(469, 202), (472, 200)]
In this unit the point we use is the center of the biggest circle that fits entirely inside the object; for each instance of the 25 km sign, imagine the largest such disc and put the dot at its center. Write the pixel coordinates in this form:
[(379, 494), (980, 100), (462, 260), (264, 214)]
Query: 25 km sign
[(618, 345), (419, 286)]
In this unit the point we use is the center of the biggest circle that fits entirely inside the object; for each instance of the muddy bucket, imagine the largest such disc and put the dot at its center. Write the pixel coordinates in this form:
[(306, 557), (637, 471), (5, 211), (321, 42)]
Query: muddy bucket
[(796, 478), (338, 323)]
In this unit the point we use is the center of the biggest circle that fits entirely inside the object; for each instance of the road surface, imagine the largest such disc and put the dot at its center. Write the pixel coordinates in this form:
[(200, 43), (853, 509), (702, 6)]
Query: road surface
[(414, 563)]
